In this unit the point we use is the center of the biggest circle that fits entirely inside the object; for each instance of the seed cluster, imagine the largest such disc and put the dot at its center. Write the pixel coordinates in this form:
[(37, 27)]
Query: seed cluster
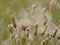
[(24, 35)]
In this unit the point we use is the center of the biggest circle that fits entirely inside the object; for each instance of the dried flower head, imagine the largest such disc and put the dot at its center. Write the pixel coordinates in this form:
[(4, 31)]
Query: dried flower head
[(27, 32), (13, 19), (24, 26), (54, 34), (44, 30), (52, 4), (36, 27), (58, 37), (48, 35), (45, 23), (44, 16), (35, 5), (10, 27)]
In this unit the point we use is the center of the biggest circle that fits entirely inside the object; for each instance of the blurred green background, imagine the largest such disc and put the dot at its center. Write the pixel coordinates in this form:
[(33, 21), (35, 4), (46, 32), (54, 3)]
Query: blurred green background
[(9, 7)]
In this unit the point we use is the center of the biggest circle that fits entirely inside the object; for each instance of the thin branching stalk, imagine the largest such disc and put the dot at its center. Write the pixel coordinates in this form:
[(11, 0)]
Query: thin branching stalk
[(46, 41)]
